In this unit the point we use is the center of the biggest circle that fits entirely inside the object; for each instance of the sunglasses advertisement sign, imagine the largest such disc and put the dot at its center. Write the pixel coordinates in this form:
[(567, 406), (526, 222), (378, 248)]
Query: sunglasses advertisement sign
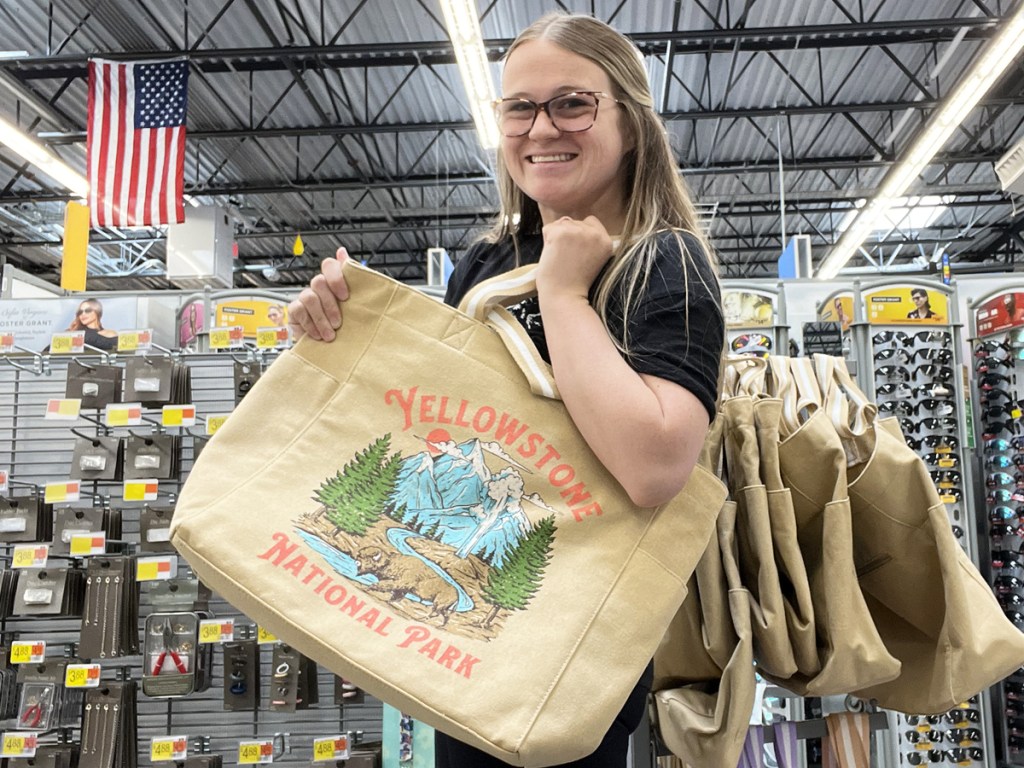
[(837, 309), (911, 304), (748, 309), (33, 322), (1000, 313)]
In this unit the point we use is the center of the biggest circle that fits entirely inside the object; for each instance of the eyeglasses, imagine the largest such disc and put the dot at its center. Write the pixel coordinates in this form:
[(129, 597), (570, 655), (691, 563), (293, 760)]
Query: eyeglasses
[(569, 112)]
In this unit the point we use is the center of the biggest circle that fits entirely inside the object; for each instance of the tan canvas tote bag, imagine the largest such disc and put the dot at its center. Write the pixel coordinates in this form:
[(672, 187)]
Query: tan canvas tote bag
[(746, 376), (933, 609), (399, 506), (813, 466), (755, 555)]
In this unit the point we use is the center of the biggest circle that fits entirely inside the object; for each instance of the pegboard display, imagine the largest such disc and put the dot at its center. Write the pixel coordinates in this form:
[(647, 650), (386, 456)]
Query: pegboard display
[(79, 462)]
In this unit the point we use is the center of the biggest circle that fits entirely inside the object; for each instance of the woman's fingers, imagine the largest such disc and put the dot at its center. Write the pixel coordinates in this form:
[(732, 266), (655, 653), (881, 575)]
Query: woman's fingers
[(316, 312)]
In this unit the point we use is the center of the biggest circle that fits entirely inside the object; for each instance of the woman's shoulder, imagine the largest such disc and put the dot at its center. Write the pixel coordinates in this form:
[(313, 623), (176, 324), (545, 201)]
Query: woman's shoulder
[(681, 259)]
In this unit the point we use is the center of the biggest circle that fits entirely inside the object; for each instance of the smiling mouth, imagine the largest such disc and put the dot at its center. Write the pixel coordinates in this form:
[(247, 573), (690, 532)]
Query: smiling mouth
[(561, 158)]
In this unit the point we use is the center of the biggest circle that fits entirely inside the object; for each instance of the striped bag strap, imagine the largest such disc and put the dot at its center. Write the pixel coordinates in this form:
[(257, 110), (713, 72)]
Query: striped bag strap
[(850, 739), (787, 745)]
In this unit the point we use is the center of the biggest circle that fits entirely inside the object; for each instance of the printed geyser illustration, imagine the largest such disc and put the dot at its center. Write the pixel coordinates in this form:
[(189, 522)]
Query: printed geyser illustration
[(442, 535)]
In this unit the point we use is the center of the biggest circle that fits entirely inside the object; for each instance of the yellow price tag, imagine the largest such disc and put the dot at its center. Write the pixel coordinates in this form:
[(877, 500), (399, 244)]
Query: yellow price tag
[(223, 338), (1015, 413), (330, 749), (82, 676), (251, 752), (127, 341), (216, 630), (266, 338), (263, 636), (168, 748), (67, 343), (19, 744), (28, 652), (946, 463), (30, 556), (215, 422)]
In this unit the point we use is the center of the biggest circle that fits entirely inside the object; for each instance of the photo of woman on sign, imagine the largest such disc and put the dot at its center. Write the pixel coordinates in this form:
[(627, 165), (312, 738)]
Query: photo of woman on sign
[(89, 318), (922, 306)]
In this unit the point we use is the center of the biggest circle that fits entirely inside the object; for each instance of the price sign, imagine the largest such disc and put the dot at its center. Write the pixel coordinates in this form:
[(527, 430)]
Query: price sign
[(216, 630), (67, 343), (82, 676), (85, 544), (263, 636), (122, 414), (227, 337), (1016, 412), (3, 480), (165, 748), (70, 490), (178, 415), (160, 568), (330, 749), (253, 752), (135, 341), (30, 556), (19, 745), (271, 338), (215, 421), (140, 490), (28, 652), (6, 343), (62, 410)]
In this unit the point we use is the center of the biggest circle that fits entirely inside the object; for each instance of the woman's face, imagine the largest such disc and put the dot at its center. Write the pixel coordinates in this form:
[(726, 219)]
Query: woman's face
[(567, 174), (88, 316), (920, 299), (275, 316)]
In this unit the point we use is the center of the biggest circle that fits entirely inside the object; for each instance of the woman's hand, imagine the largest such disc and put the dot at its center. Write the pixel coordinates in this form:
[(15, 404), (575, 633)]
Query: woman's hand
[(574, 253), (316, 312)]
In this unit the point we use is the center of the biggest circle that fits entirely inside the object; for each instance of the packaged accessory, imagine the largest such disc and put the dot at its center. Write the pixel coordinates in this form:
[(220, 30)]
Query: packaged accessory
[(155, 529), (25, 519), (96, 458), (247, 373), (175, 663), (49, 592), (111, 613), (155, 456), (241, 675), (109, 727), (96, 385), (430, 605)]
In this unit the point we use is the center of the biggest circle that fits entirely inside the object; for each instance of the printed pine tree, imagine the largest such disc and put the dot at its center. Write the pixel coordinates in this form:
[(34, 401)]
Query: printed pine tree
[(513, 584), (356, 497)]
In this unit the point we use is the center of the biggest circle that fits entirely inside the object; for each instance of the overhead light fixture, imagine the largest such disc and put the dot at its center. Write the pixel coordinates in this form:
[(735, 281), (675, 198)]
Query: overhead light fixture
[(989, 67), (35, 153), (460, 16)]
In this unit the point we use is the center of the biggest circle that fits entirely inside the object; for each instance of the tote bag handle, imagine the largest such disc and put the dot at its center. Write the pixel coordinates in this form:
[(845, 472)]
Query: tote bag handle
[(486, 302)]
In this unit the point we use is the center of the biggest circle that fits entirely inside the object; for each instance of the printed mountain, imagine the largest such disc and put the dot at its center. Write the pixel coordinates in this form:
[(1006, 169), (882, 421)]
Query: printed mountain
[(454, 497)]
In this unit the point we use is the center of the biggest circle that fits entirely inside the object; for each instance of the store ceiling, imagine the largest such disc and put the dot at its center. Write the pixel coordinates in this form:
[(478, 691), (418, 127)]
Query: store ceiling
[(345, 120)]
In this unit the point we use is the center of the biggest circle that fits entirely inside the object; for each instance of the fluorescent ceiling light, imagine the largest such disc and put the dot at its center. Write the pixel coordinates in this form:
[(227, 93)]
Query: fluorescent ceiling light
[(460, 17), (910, 214), (35, 153), (989, 67)]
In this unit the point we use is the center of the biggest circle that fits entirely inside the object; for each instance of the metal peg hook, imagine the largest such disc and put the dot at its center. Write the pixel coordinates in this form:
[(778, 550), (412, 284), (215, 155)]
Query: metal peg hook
[(92, 438), (148, 438)]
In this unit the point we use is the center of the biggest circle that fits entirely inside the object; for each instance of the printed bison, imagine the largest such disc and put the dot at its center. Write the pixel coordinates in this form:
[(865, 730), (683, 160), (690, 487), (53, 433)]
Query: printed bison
[(404, 574)]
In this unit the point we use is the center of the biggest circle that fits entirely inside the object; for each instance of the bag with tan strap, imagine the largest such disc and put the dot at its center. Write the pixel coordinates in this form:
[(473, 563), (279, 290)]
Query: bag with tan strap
[(412, 507), (932, 608)]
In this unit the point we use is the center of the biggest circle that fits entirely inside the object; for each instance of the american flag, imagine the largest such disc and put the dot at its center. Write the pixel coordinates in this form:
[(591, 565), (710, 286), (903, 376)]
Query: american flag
[(136, 142)]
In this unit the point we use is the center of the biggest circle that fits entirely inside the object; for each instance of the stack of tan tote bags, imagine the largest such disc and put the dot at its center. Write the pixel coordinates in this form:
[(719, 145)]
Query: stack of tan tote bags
[(833, 570)]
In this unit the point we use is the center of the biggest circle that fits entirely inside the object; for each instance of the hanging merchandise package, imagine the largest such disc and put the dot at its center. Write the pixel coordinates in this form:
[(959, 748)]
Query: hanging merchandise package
[(421, 518)]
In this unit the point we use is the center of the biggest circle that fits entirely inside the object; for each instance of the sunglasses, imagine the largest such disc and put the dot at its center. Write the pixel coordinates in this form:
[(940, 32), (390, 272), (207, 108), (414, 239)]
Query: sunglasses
[(922, 757), (899, 389), (1009, 600), (890, 352), (994, 379), (1002, 530), (996, 445), (999, 461), (937, 422), (1006, 584), (951, 496), (992, 429), (987, 364), (939, 407), (904, 407), (892, 372), (922, 719), (941, 476), (993, 393), (1002, 556), (1001, 495), (917, 737), (959, 735), (933, 337), (962, 715), (995, 411), (961, 755), (935, 354), (885, 337), (988, 347), (996, 479), (942, 459), (934, 441), (936, 372)]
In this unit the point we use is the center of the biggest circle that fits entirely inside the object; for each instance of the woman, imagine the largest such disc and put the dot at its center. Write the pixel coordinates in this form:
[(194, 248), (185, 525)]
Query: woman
[(628, 308), (89, 318), (922, 306)]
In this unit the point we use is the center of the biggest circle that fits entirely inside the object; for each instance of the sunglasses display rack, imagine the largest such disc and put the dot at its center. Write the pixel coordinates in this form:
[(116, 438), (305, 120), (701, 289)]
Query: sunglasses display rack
[(997, 347), (755, 319), (912, 368), (219, 695)]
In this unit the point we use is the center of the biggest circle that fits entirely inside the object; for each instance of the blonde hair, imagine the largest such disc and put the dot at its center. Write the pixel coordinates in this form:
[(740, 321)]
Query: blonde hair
[(657, 198)]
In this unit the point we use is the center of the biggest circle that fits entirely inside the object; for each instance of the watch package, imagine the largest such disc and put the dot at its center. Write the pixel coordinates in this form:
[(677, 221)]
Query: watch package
[(155, 529), (96, 458), (96, 385), (247, 373), (241, 675), (155, 456), (25, 519)]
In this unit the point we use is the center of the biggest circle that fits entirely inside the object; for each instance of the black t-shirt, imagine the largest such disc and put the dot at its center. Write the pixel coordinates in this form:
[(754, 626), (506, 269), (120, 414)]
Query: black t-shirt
[(676, 332)]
